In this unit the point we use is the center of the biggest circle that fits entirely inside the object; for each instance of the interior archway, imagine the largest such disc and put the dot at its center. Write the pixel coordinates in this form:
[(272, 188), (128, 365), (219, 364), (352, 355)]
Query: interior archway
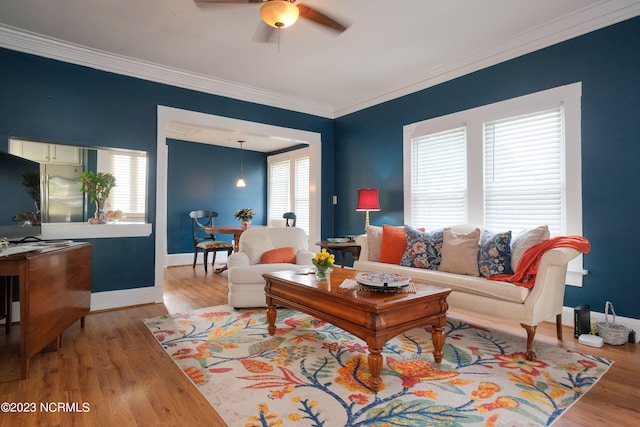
[(167, 115)]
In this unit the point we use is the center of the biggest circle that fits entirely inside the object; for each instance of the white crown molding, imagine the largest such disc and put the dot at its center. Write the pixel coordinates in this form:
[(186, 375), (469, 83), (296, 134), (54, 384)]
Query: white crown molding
[(599, 15), (19, 40)]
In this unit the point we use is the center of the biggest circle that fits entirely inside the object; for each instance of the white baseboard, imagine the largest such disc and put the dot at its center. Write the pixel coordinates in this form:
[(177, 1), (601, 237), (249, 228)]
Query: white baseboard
[(123, 298), (107, 300), (174, 260)]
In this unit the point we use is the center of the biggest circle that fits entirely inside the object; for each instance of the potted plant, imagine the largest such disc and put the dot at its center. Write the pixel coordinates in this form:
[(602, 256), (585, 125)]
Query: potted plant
[(245, 216), (98, 186)]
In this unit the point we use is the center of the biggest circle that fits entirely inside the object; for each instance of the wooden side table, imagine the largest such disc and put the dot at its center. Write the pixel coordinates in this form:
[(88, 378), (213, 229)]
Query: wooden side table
[(342, 248)]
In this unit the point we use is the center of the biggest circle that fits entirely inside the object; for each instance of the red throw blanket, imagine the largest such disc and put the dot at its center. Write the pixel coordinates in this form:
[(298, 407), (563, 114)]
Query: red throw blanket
[(528, 266)]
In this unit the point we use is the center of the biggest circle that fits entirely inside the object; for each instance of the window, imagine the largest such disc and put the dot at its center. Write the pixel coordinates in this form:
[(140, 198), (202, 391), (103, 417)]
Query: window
[(439, 179), (523, 172), (510, 165), (130, 193), (289, 188)]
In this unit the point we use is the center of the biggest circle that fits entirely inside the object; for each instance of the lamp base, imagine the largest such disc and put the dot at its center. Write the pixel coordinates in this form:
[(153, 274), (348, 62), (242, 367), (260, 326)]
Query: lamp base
[(366, 220)]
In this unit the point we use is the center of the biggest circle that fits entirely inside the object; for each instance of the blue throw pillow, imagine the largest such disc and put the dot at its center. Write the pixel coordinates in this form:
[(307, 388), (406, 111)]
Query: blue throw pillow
[(424, 249), (494, 256)]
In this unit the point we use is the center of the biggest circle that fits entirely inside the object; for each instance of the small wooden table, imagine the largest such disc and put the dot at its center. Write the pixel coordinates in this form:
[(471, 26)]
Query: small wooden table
[(374, 317), (343, 248), (235, 230)]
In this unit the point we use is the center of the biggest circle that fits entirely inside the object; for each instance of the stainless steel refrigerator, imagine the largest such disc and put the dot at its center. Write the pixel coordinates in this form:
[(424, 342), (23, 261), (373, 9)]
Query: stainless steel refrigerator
[(62, 199)]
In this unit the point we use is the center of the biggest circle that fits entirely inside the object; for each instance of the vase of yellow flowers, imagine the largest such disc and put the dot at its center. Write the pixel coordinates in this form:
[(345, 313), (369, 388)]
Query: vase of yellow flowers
[(98, 186), (324, 263)]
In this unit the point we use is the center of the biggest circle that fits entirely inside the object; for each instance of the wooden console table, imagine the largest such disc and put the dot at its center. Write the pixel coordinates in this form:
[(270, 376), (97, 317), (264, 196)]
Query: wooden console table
[(55, 292)]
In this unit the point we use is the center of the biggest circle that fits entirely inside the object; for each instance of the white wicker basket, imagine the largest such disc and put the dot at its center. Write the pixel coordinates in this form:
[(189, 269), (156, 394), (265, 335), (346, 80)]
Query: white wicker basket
[(610, 332)]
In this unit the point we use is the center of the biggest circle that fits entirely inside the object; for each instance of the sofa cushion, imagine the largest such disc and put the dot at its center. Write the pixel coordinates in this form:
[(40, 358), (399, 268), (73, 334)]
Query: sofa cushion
[(374, 238), (394, 243), (525, 240), (286, 254), (459, 283), (494, 256), (423, 249), (460, 252)]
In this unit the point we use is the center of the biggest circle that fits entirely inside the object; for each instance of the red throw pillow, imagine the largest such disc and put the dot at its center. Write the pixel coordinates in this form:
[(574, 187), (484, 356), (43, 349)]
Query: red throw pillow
[(287, 254), (394, 243)]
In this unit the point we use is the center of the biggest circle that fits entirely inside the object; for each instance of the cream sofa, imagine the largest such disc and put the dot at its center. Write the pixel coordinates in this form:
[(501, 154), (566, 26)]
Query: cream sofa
[(478, 294), (245, 267)]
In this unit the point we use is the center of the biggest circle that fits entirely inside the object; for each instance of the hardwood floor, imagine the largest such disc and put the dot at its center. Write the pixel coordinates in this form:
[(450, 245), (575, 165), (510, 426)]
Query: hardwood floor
[(113, 372)]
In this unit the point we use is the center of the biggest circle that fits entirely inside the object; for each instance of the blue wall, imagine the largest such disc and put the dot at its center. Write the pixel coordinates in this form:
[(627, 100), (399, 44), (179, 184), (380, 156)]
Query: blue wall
[(204, 177), (607, 62), (52, 101)]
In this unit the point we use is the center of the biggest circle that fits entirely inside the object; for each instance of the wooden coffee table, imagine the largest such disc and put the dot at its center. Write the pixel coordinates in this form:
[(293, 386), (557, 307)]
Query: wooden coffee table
[(374, 317)]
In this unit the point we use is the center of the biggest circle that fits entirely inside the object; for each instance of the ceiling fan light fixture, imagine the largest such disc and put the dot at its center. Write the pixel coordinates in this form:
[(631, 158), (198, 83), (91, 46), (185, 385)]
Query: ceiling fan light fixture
[(279, 13)]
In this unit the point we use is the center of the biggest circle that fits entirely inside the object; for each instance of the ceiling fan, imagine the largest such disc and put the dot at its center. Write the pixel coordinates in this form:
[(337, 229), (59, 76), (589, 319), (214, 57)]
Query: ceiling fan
[(284, 13)]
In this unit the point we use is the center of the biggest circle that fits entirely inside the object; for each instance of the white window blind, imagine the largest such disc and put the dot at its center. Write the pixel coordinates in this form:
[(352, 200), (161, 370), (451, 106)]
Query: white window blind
[(279, 191), (523, 172), (130, 193), (301, 193), (438, 179), (289, 178)]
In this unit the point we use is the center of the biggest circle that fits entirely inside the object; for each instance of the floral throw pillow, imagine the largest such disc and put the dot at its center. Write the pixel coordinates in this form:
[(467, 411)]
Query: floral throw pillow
[(424, 249), (494, 256)]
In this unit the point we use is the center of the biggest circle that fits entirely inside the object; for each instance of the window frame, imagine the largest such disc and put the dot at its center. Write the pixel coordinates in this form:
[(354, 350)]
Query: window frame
[(292, 157), (105, 163), (473, 119)]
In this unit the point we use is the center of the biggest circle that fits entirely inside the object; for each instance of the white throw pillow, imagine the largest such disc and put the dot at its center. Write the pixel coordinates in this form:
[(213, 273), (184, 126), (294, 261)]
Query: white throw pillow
[(460, 252), (526, 240), (255, 243), (374, 240)]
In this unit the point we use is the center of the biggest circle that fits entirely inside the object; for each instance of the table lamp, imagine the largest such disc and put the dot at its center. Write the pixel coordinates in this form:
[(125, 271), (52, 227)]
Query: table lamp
[(368, 201)]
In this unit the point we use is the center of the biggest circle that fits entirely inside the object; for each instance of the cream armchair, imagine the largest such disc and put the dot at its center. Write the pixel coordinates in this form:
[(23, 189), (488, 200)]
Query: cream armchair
[(246, 267)]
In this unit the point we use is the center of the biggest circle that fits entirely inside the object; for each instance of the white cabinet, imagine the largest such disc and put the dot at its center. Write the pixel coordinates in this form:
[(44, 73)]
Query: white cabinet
[(45, 153)]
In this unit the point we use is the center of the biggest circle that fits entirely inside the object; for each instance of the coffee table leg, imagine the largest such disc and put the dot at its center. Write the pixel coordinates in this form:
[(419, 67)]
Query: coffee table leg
[(375, 366), (271, 318), (437, 336)]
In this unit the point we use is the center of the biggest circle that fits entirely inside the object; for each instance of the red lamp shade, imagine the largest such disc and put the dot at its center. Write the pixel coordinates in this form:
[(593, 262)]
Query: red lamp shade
[(368, 200)]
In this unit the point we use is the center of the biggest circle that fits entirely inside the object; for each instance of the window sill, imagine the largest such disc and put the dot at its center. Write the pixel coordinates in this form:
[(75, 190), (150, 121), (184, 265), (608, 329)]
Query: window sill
[(77, 230), (574, 278)]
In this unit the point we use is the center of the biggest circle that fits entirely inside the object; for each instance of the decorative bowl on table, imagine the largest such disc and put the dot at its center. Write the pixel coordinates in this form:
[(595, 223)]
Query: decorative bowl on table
[(337, 240), (382, 280)]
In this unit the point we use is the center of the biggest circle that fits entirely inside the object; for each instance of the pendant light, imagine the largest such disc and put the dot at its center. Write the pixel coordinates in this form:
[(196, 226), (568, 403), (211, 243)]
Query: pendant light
[(241, 182)]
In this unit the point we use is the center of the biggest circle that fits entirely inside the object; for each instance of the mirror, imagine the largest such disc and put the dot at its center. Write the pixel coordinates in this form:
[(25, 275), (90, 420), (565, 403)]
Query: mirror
[(61, 168)]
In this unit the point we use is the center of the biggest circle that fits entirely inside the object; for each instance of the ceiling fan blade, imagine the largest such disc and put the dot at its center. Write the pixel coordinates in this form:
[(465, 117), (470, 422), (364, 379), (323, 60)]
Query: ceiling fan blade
[(320, 18)]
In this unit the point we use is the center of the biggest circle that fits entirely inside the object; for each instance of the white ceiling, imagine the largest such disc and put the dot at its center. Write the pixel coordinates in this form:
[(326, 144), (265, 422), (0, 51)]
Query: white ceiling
[(390, 49)]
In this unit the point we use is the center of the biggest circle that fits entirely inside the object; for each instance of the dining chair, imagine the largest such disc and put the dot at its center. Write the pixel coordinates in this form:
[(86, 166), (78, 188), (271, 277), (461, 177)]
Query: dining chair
[(203, 241), (290, 219)]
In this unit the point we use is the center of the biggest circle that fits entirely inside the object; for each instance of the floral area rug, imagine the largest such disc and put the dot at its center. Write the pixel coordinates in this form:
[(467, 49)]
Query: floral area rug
[(311, 373)]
